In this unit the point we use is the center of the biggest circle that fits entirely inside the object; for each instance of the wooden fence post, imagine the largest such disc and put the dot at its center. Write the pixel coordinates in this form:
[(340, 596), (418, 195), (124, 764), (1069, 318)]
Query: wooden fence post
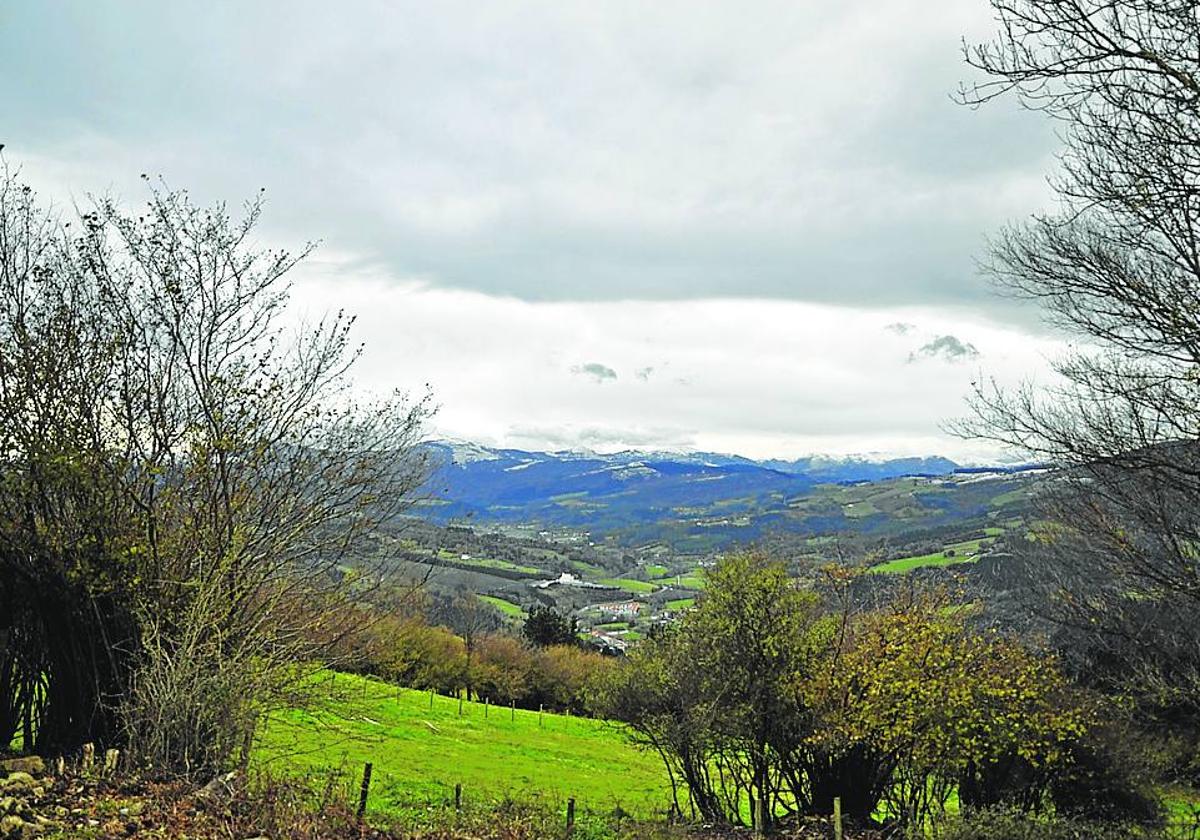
[(837, 818), (362, 791), (111, 758), (486, 703), (460, 703), (458, 797), (540, 707), (89, 757), (512, 710), (570, 813)]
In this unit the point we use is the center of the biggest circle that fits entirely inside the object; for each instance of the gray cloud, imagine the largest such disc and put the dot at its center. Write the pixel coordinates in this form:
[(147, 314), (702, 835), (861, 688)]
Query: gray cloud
[(581, 152), (644, 373), (596, 371), (900, 328), (947, 348), (596, 157)]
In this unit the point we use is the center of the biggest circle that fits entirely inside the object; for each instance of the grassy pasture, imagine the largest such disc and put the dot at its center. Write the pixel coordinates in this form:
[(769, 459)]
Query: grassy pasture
[(419, 753), (963, 552), (509, 609), (689, 580), (485, 563), (637, 587)]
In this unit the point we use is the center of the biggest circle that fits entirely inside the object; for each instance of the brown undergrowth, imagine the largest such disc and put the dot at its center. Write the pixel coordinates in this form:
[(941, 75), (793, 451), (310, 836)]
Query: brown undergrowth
[(88, 806)]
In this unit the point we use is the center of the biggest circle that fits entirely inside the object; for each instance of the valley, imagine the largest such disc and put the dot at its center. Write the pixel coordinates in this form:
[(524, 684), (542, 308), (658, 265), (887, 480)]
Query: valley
[(621, 541)]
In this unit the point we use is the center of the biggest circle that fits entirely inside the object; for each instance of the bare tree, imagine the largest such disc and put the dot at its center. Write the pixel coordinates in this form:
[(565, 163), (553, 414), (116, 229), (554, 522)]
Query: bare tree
[(471, 620), (1117, 267), (67, 629), (243, 472)]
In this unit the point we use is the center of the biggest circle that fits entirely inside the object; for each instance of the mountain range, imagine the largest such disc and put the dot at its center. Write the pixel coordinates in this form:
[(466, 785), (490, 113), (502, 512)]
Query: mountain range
[(696, 497)]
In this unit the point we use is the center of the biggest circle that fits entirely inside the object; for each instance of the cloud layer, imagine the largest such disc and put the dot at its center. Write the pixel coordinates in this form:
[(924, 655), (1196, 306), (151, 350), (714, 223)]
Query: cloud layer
[(760, 378), (549, 150), (745, 227)]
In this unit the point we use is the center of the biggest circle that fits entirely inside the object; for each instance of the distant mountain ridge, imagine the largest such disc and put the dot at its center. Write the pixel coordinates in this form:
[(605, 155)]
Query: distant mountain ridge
[(569, 487), (595, 491), (817, 467), (700, 502)]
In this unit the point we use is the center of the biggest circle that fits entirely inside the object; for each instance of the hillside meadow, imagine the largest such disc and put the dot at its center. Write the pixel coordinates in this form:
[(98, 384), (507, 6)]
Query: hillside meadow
[(420, 751)]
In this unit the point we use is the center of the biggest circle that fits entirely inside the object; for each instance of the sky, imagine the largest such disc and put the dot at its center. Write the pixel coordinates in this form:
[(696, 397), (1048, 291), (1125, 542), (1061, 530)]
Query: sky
[(743, 227)]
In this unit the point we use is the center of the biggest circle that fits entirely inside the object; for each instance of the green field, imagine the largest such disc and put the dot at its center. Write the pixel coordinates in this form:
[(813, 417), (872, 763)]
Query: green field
[(637, 587), (691, 580), (419, 753), (963, 552), (487, 563), (680, 604), (586, 569), (907, 564), (509, 609)]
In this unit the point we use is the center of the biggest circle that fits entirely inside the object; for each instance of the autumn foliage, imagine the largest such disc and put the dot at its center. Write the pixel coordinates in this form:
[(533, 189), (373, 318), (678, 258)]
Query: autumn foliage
[(768, 701)]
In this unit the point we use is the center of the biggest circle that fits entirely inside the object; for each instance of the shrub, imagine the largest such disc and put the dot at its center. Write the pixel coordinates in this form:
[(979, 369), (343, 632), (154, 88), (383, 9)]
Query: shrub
[(1107, 780), (503, 668), (419, 656)]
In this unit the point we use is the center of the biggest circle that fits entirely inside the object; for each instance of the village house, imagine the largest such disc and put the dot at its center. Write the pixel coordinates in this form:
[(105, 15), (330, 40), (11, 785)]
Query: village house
[(621, 609)]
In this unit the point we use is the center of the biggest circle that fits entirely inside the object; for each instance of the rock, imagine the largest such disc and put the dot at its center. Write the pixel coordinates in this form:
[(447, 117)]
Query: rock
[(31, 764), (219, 792)]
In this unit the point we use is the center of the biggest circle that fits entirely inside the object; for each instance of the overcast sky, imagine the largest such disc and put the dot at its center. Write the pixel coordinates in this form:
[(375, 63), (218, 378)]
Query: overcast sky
[(740, 226)]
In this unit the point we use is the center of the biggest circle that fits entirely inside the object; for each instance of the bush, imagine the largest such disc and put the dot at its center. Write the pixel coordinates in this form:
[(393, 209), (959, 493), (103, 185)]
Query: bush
[(419, 656), (1107, 780), (179, 502), (563, 674)]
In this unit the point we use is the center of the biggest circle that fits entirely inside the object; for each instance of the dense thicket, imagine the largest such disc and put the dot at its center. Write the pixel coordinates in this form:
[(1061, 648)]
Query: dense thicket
[(183, 474)]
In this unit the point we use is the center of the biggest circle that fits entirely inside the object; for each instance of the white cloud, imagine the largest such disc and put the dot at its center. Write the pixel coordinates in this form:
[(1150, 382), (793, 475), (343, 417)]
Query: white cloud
[(763, 377)]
